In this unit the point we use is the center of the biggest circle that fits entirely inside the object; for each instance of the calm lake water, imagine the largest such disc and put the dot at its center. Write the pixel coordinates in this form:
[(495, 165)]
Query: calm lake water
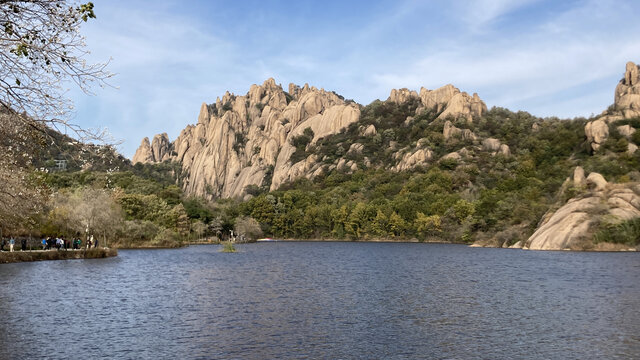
[(324, 301)]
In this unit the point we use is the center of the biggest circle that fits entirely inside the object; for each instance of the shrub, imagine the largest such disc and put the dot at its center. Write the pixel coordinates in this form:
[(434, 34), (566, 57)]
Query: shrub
[(238, 145), (626, 232), (227, 247)]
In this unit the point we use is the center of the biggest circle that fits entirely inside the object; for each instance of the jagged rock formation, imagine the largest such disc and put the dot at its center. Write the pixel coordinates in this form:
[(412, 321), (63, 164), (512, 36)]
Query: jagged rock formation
[(627, 96), (626, 105), (158, 151), (402, 95), (248, 140), (241, 140), (448, 100), (571, 227)]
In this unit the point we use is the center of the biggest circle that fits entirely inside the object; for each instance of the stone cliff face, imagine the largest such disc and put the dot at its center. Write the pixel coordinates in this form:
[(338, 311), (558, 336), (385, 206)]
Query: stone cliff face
[(626, 105), (244, 140), (247, 140)]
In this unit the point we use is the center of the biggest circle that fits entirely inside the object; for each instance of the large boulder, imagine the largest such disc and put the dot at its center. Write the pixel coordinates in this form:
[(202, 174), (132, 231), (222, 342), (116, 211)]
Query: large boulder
[(597, 132), (572, 226), (578, 177)]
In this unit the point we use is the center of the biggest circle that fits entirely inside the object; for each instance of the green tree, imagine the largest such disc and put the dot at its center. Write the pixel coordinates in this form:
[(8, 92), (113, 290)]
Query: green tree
[(397, 225), (428, 225), (463, 209), (380, 224), (339, 219), (177, 220), (357, 220)]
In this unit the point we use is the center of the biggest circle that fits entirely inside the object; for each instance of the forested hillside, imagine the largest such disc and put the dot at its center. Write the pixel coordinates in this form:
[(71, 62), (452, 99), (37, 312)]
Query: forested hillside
[(409, 168)]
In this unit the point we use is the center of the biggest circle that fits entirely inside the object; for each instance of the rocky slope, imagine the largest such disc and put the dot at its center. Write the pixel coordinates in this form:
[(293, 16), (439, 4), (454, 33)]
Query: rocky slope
[(243, 141), (572, 226)]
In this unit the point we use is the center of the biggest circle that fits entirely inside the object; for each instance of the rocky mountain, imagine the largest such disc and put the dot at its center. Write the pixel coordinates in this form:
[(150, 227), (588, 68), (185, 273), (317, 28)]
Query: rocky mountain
[(428, 164), (251, 140)]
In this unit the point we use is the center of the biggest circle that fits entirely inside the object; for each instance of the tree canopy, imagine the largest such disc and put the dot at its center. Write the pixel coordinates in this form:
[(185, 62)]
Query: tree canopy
[(42, 51)]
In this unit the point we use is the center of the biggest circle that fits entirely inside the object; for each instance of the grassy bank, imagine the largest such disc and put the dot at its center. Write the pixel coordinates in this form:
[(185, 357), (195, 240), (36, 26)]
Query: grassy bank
[(39, 255)]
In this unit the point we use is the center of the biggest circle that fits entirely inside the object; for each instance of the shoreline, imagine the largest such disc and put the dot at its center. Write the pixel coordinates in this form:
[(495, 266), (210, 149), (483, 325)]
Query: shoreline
[(7, 257), (410, 241)]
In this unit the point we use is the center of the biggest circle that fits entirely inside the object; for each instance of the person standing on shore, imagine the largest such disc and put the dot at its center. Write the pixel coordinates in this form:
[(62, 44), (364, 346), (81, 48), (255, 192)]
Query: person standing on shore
[(23, 244), (4, 242), (44, 243), (12, 242)]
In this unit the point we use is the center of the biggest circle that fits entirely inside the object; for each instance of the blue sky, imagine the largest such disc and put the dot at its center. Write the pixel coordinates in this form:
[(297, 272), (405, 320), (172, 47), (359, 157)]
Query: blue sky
[(550, 58)]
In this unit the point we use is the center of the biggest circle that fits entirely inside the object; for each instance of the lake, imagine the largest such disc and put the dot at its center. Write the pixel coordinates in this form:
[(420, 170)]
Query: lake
[(329, 300)]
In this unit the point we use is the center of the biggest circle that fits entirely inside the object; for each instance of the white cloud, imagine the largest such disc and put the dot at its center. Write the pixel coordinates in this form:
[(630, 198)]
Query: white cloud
[(480, 13)]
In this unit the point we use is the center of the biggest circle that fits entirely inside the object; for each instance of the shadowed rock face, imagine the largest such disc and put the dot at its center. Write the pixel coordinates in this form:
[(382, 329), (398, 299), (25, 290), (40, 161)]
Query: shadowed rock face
[(245, 140)]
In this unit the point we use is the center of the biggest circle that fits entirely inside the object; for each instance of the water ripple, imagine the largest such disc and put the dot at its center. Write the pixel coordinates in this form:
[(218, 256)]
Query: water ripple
[(324, 300)]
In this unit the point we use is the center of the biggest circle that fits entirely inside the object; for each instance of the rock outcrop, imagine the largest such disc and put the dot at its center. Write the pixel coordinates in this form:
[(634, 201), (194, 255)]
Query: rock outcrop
[(627, 96), (626, 105), (369, 130), (402, 95), (597, 132), (495, 146), (158, 151), (572, 226), (248, 140), (242, 140), (450, 131), (143, 153), (448, 101), (412, 159)]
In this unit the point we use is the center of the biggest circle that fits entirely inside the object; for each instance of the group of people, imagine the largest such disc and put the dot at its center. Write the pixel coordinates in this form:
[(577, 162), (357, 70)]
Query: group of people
[(12, 244), (49, 243), (61, 243)]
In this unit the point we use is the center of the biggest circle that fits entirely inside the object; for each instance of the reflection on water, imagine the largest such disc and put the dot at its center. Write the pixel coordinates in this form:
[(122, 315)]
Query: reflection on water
[(324, 300)]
